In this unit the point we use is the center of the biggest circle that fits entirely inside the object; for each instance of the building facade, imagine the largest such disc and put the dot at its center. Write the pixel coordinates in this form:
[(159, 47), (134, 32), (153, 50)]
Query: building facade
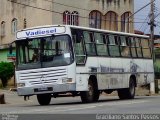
[(103, 14)]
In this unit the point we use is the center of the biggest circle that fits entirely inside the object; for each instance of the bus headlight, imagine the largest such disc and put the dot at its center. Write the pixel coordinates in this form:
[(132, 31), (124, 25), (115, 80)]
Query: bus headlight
[(67, 80), (20, 84)]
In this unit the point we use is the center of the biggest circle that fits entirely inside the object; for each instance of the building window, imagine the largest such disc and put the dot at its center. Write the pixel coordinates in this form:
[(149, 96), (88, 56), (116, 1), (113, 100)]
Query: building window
[(71, 18), (75, 18), (125, 22), (2, 28), (111, 21), (14, 25), (95, 18), (66, 18)]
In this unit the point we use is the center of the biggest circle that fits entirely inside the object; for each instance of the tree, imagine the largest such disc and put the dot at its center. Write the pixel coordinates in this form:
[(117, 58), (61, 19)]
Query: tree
[(6, 72)]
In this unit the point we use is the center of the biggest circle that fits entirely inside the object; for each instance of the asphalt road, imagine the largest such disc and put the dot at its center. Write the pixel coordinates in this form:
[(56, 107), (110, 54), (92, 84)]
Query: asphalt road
[(72, 105)]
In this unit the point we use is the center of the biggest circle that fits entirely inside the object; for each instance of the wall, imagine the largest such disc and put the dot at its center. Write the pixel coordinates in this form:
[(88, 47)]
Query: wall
[(46, 12), (85, 7), (33, 16)]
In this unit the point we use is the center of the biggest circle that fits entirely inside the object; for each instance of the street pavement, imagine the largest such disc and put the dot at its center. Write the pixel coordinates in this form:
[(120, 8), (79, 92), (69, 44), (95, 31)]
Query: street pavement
[(71, 107), (12, 98)]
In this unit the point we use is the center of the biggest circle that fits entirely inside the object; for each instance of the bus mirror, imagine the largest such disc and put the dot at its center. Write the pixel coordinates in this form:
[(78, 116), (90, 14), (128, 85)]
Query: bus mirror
[(10, 48)]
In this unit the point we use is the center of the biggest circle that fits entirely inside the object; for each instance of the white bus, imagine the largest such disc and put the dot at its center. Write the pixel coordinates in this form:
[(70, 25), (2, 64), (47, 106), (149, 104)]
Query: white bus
[(81, 61)]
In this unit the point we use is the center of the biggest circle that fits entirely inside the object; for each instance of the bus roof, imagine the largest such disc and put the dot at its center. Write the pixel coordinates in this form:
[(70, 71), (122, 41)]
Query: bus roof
[(108, 31), (49, 29)]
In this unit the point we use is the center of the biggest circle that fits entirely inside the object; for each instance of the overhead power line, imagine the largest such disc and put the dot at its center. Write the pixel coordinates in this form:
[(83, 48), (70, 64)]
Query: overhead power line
[(127, 19), (33, 6), (144, 23), (140, 9), (156, 15), (67, 5), (141, 18), (53, 11)]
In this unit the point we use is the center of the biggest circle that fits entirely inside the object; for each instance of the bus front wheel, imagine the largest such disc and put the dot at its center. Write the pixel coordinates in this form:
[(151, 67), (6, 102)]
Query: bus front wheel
[(92, 95), (128, 93), (44, 99)]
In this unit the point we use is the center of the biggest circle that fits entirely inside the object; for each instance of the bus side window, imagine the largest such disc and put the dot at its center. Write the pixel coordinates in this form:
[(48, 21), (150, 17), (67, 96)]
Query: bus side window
[(133, 47), (77, 35), (145, 48), (79, 48), (138, 47), (101, 44), (113, 46), (124, 48), (89, 43), (116, 40)]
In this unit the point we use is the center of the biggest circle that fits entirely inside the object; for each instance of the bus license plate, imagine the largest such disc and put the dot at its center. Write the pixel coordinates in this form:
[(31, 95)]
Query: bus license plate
[(43, 89)]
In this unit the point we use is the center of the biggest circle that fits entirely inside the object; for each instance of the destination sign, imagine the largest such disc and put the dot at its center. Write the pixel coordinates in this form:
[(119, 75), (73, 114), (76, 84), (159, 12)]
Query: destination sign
[(38, 32)]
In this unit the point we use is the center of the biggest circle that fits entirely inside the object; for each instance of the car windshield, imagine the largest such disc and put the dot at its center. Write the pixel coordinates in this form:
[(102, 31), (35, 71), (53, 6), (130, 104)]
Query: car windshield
[(44, 52)]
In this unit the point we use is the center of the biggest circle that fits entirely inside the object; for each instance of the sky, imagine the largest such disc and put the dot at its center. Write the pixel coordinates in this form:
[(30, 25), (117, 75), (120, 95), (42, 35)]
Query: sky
[(142, 16)]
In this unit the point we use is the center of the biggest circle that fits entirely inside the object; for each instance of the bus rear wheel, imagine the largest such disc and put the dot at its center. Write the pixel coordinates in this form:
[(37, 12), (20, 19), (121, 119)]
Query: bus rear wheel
[(128, 93), (44, 99), (92, 95)]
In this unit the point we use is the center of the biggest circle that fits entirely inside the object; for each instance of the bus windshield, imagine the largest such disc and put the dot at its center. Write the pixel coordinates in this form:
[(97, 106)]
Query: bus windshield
[(44, 52)]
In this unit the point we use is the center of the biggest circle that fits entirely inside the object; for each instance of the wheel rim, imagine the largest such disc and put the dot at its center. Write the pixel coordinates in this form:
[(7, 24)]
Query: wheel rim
[(90, 88), (132, 89)]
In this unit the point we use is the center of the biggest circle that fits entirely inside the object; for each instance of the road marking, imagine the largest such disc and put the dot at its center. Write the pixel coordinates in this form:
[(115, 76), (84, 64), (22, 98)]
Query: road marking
[(122, 103), (74, 107), (105, 104), (79, 107)]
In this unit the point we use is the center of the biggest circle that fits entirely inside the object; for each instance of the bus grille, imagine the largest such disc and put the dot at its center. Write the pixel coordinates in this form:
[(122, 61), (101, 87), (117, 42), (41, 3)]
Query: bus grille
[(43, 76)]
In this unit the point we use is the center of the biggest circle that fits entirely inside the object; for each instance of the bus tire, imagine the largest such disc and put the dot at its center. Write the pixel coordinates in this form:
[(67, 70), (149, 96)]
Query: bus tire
[(128, 93), (44, 99), (92, 95)]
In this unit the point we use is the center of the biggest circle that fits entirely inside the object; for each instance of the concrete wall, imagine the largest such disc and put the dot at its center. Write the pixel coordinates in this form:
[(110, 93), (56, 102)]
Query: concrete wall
[(46, 12), (33, 16), (86, 6)]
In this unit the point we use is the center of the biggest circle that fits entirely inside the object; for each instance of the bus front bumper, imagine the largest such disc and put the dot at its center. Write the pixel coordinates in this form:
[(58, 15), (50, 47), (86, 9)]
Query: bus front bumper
[(41, 89)]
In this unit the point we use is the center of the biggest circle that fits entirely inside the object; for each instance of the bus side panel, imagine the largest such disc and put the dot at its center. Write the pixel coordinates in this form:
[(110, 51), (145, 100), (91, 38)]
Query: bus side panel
[(81, 78), (84, 72), (127, 72), (116, 70), (147, 71), (111, 73), (104, 77), (150, 68), (140, 68)]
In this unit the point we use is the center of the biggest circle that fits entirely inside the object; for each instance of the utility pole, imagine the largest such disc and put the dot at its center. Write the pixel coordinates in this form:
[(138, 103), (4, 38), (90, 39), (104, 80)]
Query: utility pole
[(127, 19), (152, 25)]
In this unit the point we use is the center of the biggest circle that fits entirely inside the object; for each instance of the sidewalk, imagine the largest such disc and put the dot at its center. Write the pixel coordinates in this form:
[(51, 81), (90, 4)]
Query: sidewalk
[(142, 92), (11, 97), (139, 92)]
